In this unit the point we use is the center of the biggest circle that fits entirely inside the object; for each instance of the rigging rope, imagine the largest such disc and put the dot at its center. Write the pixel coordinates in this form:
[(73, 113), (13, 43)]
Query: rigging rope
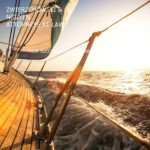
[(129, 14), (23, 14), (45, 61), (16, 54), (24, 42), (50, 5), (25, 32), (19, 64), (26, 39), (27, 45), (12, 33), (66, 51), (7, 44), (14, 29), (111, 25), (88, 40), (75, 80)]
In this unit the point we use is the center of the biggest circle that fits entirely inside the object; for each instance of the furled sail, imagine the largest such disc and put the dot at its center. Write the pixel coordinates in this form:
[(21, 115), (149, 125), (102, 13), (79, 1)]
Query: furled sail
[(41, 29)]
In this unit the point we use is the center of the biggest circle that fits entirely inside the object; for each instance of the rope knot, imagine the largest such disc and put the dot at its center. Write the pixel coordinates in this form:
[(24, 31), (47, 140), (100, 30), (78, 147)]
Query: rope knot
[(95, 34)]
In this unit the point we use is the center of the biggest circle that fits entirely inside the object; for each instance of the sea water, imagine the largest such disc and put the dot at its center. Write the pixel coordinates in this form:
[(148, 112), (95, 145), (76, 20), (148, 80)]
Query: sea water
[(122, 96)]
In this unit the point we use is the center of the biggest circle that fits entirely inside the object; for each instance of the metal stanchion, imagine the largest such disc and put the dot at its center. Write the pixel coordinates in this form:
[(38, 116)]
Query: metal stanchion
[(19, 64), (6, 59), (39, 74), (28, 67)]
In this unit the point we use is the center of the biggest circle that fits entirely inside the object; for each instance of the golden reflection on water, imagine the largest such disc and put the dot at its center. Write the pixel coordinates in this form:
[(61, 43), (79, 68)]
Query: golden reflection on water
[(132, 82)]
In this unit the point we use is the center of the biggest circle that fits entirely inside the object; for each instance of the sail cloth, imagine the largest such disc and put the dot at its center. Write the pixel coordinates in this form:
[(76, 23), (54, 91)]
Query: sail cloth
[(44, 34)]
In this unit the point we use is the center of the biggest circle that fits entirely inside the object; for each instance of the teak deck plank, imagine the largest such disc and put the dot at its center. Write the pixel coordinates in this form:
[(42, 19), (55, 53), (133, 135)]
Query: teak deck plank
[(4, 78), (29, 131), (8, 96), (17, 145), (14, 128), (5, 90), (9, 101), (18, 117), (5, 85), (9, 116)]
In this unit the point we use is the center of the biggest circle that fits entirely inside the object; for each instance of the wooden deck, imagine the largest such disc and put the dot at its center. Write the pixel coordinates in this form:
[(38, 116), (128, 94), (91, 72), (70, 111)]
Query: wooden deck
[(18, 116)]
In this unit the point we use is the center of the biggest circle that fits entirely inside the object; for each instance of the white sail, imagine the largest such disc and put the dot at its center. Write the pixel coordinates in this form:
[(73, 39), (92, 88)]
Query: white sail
[(41, 29)]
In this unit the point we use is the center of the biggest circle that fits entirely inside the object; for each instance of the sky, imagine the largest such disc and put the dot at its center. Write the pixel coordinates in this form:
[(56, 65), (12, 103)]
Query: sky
[(126, 46)]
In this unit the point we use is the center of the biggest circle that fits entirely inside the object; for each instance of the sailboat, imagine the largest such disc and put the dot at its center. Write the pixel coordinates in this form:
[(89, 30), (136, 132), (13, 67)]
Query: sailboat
[(24, 122), (21, 110)]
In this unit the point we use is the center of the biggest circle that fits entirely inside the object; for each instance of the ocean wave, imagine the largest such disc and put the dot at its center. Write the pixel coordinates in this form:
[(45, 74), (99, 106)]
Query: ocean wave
[(131, 108), (82, 128)]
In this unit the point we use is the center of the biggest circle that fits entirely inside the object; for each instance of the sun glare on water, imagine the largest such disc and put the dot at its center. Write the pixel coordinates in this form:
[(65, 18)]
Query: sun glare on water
[(132, 82)]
